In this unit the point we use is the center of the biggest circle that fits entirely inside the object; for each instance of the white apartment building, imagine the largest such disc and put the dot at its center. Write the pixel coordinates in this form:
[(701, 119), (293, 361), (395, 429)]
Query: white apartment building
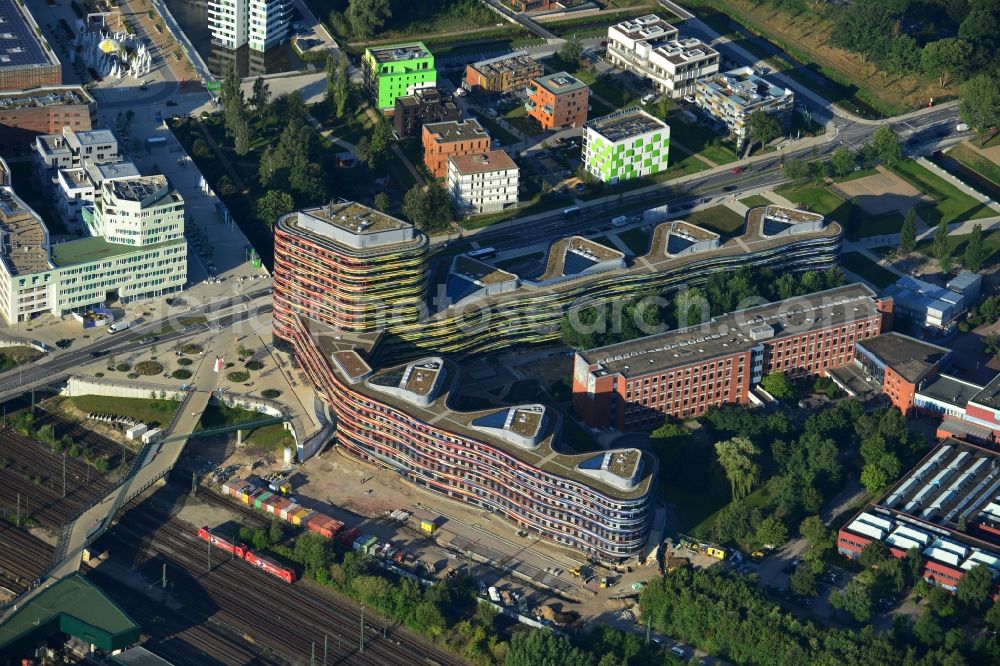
[(651, 47), (483, 182), (74, 149), (37, 276), (733, 96), (262, 24)]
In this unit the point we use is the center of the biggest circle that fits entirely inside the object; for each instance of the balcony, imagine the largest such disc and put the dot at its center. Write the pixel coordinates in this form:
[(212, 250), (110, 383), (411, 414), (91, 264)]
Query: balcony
[(547, 110), (529, 105)]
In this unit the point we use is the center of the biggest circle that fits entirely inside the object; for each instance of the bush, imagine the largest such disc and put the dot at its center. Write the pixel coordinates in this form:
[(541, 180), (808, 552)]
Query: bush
[(191, 348), (149, 368), (238, 376), (181, 374), (133, 375), (123, 367), (101, 464), (75, 451), (184, 361), (271, 394), (98, 374), (253, 365)]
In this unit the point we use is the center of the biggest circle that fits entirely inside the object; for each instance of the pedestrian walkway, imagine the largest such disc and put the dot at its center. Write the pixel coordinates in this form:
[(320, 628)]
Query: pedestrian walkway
[(778, 199), (737, 207)]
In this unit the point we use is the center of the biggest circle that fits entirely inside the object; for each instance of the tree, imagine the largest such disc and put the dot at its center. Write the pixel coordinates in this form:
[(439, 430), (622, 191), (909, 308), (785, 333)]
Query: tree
[(975, 253), (887, 145), (314, 552), (572, 50), (879, 473), (230, 92), (276, 533), (429, 209), (771, 532), (927, 629), (541, 647), (306, 178), (874, 554), (273, 205), (763, 127), (797, 169), (374, 149), (241, 132), (224, 187), (974, 587), (382, 202), (803, 582), (842, 162), (819, 536), (779, 385), (946, 58), (736, 456), (366, 16), (855, 599), (338, 86), (979, 104), (908, 233), (865, 27), (261, 95), (940, 247)]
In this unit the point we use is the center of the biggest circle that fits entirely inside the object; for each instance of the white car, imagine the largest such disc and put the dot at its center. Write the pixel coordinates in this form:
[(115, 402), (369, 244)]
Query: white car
[(461, 92), (648, 99)]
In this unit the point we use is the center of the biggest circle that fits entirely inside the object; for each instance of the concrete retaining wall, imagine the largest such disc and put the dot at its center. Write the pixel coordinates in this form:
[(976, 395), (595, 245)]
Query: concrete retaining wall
[(13, 342), (77, 386)]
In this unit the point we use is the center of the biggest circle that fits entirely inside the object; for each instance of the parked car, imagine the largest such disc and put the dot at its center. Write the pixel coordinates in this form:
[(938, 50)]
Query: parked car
[(171, 102)]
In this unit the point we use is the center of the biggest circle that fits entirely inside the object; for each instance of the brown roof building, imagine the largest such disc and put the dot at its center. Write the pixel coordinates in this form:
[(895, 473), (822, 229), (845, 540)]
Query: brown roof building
[(26, 114), (425, 105), (443, 140), (558, 100), (502, 75)]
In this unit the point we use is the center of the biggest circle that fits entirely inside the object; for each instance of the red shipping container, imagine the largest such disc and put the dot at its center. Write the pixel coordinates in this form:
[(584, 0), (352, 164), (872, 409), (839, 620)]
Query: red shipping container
[(277, 505), (334, 526), (347, 537)]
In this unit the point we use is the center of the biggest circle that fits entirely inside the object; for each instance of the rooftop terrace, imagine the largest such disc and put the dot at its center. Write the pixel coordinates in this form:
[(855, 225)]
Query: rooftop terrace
[(46, 96), (505, 63), (645, 28), (140, 189), (399, 52), (626, 124), (356, 218), (683, 51), (25, 237), (734, 332), (744, 86)]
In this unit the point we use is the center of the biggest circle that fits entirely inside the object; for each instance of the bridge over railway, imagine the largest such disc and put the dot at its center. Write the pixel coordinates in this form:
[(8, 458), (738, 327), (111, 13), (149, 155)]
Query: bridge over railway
[(154, 462)]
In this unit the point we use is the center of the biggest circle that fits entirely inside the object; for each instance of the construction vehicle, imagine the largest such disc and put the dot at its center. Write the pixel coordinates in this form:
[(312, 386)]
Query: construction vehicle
[(576, 571), (717, 552)]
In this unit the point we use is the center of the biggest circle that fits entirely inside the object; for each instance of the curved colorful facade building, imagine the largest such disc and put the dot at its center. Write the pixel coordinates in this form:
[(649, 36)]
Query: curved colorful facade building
[(348, 266), (509, 461)]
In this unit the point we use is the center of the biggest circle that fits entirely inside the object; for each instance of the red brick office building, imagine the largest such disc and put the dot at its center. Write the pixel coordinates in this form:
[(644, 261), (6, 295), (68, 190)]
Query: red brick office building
[(681, 374)]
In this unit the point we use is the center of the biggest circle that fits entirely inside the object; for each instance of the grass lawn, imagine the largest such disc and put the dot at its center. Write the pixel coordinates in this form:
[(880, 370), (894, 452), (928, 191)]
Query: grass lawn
[(991, 246), (605, 241), (273, 436), (867, 269), (719, 219), (815, 197), (755, 200), (855, 221), (970, 158), (496, 131), (952, 205), (507, 264), (636, 239), (701, 139), (539, 204), (151, 412)]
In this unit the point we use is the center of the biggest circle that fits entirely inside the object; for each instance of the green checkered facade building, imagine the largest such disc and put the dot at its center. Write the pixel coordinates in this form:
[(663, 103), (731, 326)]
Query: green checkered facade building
[(625, 145), (395, 71)]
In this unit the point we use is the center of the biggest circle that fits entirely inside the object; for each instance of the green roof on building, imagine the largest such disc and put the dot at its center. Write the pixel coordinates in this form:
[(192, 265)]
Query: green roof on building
[(87, 250), (75, 606)]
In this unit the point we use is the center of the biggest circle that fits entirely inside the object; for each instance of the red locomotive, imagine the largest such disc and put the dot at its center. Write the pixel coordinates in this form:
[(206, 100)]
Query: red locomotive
[(241, 551)]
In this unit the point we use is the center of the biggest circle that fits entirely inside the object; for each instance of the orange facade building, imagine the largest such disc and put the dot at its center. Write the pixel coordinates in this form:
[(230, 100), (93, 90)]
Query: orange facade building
[(448, 139), (558, 100)]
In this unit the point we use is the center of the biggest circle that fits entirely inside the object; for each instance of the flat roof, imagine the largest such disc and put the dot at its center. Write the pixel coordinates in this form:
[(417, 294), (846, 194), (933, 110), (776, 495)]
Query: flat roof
[(566, 254), (76, 597), (95, 248), (505, 63), (560, 83), (138, 189), (102, 172), (355, 217), (97, 136), (26, 237), (990, 395), (494, 160), (44, 96), (909, 357), (743, 86), (683, 51), (352, 363), (626, 124), (479, 271), (398, 52), (950, 390), (732, 333), (456, 130), (955, 483), (20, 47), (645, 28)]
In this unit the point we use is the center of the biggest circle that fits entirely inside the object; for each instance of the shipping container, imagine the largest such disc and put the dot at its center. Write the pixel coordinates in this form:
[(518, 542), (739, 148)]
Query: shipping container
[(270, 566), (370, 545), (399, 557), (233, 486), (286, 513), (317, 523), (347, 537), (263, 497), (300, 516), (228, 544), (277, 504)]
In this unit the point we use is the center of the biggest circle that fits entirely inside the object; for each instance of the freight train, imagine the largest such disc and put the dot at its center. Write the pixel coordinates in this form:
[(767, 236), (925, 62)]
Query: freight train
[(244, 553), (258, 496)]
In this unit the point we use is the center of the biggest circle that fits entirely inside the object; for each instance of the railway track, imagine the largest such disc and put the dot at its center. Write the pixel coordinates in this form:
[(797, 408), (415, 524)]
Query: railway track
[(29, 469), (23, 558), (82, 435), (171, 635), (289, 619)]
